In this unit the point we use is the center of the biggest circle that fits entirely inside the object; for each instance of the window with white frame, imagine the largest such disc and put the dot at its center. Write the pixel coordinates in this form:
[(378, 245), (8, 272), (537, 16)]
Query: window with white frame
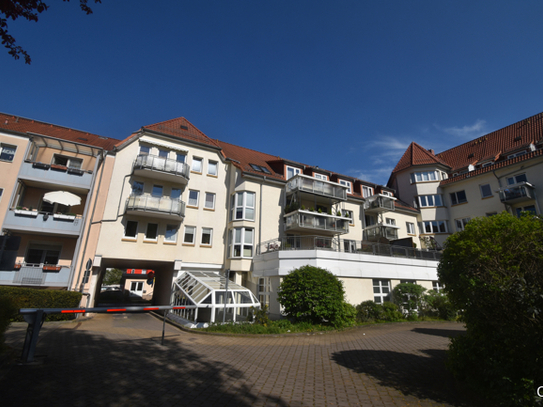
[(66, 161), (366, 191), (435, 226), (163, 153), (131, 229), (196, 165), (486, 191), (193, 198), (461, 223), (348, 214), (381, 291), (320, 176), (171, 233), (458, 197), (424, 176), (410, 228), (517, 154), (137, 188), (516, 179), (430, 200), (188, 236), (243, 206), (386, 193), (437, 286), (145, 150), (390, 221), (152, 232), (210, 200), (348, 184), (212, 168), (292, 171), (207, 237), (264, 289), (7, 152), (241, 242)]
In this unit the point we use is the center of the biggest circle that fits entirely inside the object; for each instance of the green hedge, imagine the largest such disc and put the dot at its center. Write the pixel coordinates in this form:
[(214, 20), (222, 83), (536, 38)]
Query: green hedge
[(34, 298)]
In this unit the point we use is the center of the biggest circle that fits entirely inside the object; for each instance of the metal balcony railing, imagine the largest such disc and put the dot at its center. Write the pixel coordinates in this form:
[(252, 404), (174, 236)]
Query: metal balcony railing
[(379, 203), (374, 232), (517, 193), (155, 163), (315, 186), (316, 221), (153, 204)]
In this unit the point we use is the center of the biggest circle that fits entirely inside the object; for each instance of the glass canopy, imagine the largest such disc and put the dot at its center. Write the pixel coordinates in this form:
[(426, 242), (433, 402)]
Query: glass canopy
[(207, 291)]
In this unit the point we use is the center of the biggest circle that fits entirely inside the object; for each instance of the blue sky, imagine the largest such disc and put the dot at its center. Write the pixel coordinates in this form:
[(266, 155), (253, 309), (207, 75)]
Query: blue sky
[(345, 85)]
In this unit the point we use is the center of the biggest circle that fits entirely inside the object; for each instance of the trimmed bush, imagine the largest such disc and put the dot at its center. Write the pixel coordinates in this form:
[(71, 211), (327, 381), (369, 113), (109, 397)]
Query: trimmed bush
[(33, 298), (438, 305), (409, 297), (368, 311)]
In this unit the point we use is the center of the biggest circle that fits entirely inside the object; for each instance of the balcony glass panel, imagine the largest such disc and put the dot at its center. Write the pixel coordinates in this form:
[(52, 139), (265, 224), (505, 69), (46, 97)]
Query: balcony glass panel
[(519, 193), (316, 187), (155, 163), (163, 204), (311, 220), (379, 203)]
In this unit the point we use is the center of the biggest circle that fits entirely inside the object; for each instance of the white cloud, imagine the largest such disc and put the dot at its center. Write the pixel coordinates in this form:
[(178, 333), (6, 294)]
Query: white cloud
[(466, 132)]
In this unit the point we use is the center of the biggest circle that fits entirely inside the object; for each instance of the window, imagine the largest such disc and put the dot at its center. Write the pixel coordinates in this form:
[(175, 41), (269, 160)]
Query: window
[(136, 286), (180, 158), (131, 229), (152, 231), (42, 254), (348, 214), (366, 191), (386, 193), (458, 197), (137, 188), (424, 176), (435, 226), (430, 200), (517, 179), (485, 190), (491, 213), (207, 234), (264, 289), (349, 246), (410, 228), (196, 165), (370, 220), (210, 200), (176, 193), (518, 154), (437, 286), (243, 206), (530, 209), (347, 184), (241, 241), (321, 177), (390, 221), (163, 153), (487, 164), (1, 192), (461, 223), (212, 167), (291, 172), (69, 162), (171, 233), (7, 152), (381, 291), (190, 232), (145, 150), (193, 198), (157, 191)]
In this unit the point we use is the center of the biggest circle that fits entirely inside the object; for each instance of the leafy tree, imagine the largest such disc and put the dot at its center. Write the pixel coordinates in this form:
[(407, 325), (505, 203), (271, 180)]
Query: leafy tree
[(409, 296), (493, 272), (315, 295), (113, 276), (28, 9)]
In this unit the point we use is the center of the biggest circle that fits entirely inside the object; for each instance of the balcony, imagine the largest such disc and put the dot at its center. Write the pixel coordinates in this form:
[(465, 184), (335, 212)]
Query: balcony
[(517, 193), (381, 230), (300, 221), (43, 222), (379, 204), (156, 207), (160, 168), (312, 186), (56, 174), (37, 275)]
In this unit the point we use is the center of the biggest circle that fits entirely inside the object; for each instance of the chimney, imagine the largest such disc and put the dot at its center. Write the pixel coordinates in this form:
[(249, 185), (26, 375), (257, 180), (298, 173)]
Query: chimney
[(432, 151)]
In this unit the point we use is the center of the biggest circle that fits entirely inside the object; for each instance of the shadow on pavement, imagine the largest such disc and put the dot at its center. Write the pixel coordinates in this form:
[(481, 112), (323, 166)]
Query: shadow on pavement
[(421, 376), (446, 333), (85, 369)]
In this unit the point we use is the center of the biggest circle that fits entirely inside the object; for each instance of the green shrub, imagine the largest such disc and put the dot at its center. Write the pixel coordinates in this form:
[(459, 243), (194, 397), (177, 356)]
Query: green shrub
[(438, 305), (35, 298), (261, 315), (493, 272), (391, 312), (368, 311), (315, 295), (409, 297)]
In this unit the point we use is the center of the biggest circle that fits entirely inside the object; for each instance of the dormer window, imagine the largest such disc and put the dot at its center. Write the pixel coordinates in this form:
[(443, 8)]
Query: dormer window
[(292, 171), (320, 176), (517, 154), (367, 191), (487, 164), (348, 184)]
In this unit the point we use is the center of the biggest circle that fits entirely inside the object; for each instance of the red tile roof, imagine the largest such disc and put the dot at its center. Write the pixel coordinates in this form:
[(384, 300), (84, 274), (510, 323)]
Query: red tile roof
[(21, 125), (181, 127), (416, 155)]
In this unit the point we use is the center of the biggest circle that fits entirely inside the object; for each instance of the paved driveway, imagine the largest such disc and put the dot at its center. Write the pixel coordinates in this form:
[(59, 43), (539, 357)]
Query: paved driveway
[(118, 360)]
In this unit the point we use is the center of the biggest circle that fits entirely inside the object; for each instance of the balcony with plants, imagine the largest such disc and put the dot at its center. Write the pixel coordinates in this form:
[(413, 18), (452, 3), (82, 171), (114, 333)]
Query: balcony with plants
[(379, 203), (161, 168), (162, 207), (37, 274), (517, 193)]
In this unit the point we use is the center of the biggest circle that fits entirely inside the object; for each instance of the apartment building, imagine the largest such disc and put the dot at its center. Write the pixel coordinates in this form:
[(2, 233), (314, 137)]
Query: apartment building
[(498, 171), (50, 182)]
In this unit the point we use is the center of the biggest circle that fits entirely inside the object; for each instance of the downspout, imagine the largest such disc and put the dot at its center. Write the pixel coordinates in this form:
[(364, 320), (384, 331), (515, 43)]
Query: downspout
[(260, 217)]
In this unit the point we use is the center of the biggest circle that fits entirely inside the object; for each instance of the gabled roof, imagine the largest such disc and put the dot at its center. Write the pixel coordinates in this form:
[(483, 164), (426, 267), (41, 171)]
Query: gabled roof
[(182, 128), (416, 155), (512, 138), (21, 125)]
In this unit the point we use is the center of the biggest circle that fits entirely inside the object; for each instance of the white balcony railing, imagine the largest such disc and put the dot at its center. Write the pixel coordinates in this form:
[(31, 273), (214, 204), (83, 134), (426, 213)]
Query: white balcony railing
[(164, 165), (314, 186), (156, 205), (300, 220)]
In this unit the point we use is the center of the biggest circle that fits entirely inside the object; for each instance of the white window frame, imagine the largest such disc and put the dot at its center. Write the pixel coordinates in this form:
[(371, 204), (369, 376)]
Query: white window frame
[(410, 226), (146, 236), (197, 164), (381, 290), (435, 226), (320, 176), (190, 202), (240, 206), (213, 196), (210, 233), (264, 290), (295, 171), (71, 162), (348, 184), (186, 229), (390, 221), (126, 227), (386, 193), (427, 201), (350, 215), (482, 192), (515, 179), (424, 176), (210, 165), (461, 223), (144, 150), (171, 238), (455, 200), (367, 191), (517, 154), (239, 243)]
